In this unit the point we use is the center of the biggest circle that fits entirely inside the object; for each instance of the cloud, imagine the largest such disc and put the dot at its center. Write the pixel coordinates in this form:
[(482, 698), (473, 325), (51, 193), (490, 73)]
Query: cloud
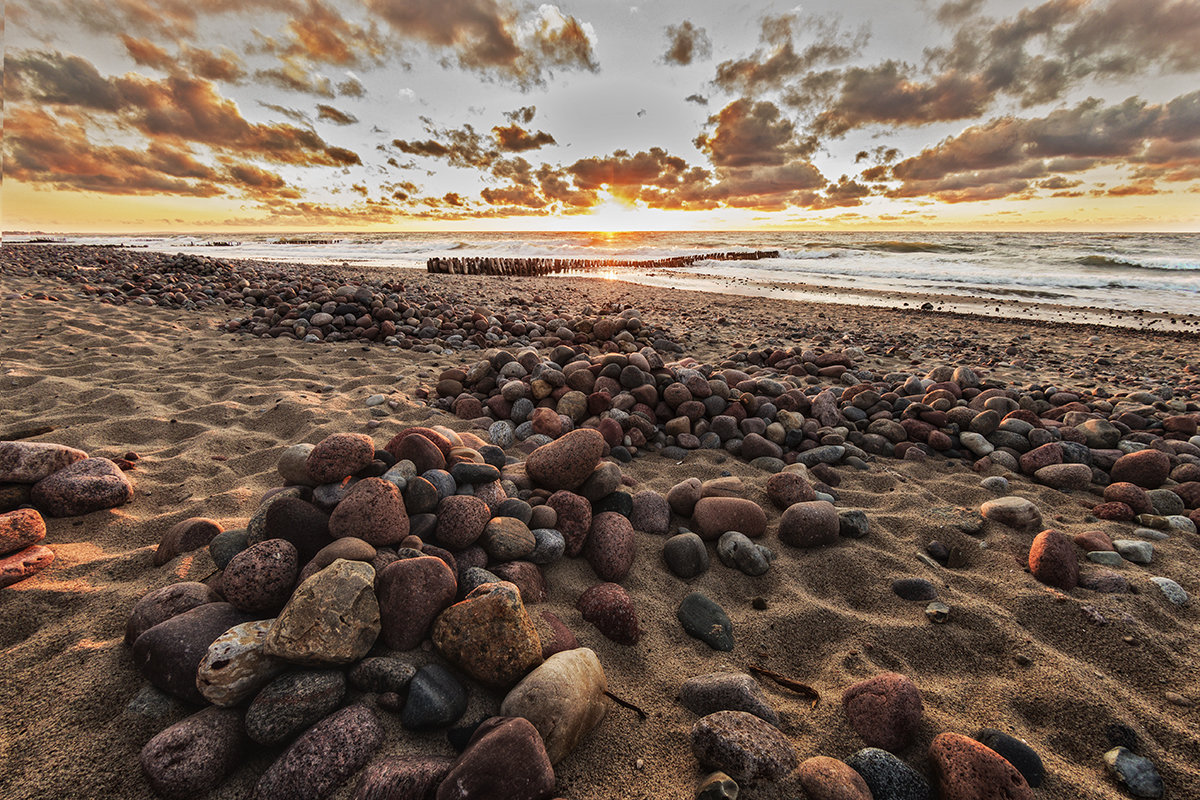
[(516, 139), (331, 114), (750, 133), (698, 99), (523, 115), (292, 77), (294, 114), (320, 33), (686, 43), (780, 61), (491, 37), (351, 87), (460, 147)]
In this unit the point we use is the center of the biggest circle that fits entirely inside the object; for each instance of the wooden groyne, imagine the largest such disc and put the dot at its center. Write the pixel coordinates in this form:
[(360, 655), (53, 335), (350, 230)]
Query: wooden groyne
[(528, 267)]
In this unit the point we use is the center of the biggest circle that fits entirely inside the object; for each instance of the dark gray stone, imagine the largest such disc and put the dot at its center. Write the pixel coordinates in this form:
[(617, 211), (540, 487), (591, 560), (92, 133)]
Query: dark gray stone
[(704, 619)]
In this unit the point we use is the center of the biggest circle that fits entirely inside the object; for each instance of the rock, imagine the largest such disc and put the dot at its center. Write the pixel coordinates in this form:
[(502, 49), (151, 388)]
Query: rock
[(507, 539), (332, 618), (382, 674), (339, 455), (885, 710), (610, 609), (1099, 434), (20, 529), (610, 546), (810, 524), (404, 777), (301, 523), (372, 511), (1131, 495), (651, 512), (30, 462), (527, 577), (1091, 541), (563, 698), (1052, 560), (504, 760), (726, 691), (324, 757), (1014, 512), (1171, 590), (259, 579), (24, 563), (1136, 773), (737, 551), (915, 589), (489, 635), (1016, 752), (159, 605), (714, 516), (704, 619), (717, 786), (81, 488), (549, 546), (1145, 468), (235, 667), (853, 524), (968, 770), (349, 548), (825, 778), (293, 702), (686, 555), (169, 653), (996, 484), (1165, 502), (436, 699), (604, 480), (574, 519), (683, 496), (888, 777), (412, 592), (555, 635), (743, 746), (293, 464), (185, 536), (788, 488), (194, 756), (1138, 552), (461, 520), (566, 462), (1065, 477)]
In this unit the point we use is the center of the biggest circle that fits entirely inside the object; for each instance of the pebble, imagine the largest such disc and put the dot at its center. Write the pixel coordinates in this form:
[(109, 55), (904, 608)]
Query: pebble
[(611, 610), (686, 555), (293, 464), (259, 579), (1135, 773), (195, 755), (916, 589), (372, 511), (461, 520), (825, 778), (853, 524), (324, 757), (92, 484), (704, 619), (382, 674), (574, 519), (965, 768), (404, 777), (183, 537), (159, 605), (651, 512), (937, 613), (505, 758), (713, 516), (888, 777), (610, 547), (412, 592), (1014, 512), (566, 462), (30, 462), (1171, 590), (292, 703), (1136, 551), (788, 488), (717, 786), (489, 635), (1108, 558), (436, 699), (507, 539), (1052, 560), (809, 524), (24, 563), (1145, 468), (169, 653), (884, 710), (997, 484), (331, 618), (339, 455), (235, 667), (1017, 752), (563, 698), (726, 691), (743, 746), (739, 552)]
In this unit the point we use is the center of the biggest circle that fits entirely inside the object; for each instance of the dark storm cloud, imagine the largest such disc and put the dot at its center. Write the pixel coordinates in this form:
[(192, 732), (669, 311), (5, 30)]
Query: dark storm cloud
[(491, 37), (1005, 156), (331, 114), (686, 43)]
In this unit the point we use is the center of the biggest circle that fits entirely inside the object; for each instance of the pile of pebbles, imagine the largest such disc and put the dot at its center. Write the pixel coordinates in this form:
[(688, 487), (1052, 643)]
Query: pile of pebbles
[(816, 408), (315, 304), (60, 481)]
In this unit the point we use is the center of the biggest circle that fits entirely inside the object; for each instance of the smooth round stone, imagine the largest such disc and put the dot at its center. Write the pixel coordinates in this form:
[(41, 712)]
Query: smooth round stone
[(743, 746), (825, 778), (705, 620), (614, 502), (1171, 590), (24, 563), (574, 519), (382, 674), (1014, 512), (159, 605), (1136, 773), (565, 463), (1065, 477), (338, 456), (293, 464), (404, 777), (916, 589), (684, 495), (1136, 551), (1052, 560), (472, 578), (235, 667), (30, 462), (373, 511), (997, 484), (686, 555), (324, 757), (260, 578), (466, 472), (713, 516), (182, 537), (504, 758), (349, 548), (726, 691), (543, 516), (436, 699), (738, 552), (884, 710), (966, 768), (92, 484), (420, 496), (1145, 468), (809, 524), (425, 453), (1016, 752), (301, 523), (1165, 502), (516, 508), (1108, 558), (604, 480), (610, 609), (500, 433), (888, 777), (412, 592), (563, 698), (549, 546), (461, 520), (527, 577), (610, 547), (507, 539), (194, 756), (293, 702), (169, 653)]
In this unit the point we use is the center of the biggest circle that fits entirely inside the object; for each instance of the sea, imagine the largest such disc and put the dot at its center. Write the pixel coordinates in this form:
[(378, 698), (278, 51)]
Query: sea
[(1112, 278)]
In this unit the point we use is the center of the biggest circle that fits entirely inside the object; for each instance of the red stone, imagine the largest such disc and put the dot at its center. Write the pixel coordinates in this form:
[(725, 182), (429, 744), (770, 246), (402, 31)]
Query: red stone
[(610, 609), (1131, 495), (1146, 468), (1052, 560), (884, 710), (967, 770)]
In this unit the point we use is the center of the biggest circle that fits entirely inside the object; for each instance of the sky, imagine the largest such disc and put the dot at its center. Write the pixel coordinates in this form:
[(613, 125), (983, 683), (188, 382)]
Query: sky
[(245, 115)]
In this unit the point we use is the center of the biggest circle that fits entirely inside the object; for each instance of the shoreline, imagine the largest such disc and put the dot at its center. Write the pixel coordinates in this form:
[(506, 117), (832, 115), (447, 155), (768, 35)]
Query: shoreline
[(209, 412)]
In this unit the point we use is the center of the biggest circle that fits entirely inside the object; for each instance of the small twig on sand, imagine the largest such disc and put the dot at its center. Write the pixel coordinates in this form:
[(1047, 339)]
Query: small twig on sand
[(641, 714), (790, 683)]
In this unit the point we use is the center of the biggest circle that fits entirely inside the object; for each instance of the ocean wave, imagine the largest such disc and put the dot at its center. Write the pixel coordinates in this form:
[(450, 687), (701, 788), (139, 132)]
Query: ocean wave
[(1111, 262), (894, 246)]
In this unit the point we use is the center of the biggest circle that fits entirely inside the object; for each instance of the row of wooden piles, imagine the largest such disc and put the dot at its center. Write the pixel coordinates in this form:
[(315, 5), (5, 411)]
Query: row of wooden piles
[(529, 267)]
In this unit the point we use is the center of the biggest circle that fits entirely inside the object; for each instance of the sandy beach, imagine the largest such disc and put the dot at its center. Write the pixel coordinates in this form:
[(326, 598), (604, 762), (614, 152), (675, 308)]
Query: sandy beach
[(208, 413)]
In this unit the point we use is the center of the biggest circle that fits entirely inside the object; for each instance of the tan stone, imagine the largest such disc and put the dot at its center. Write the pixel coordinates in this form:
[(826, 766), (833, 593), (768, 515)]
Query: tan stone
[(563, 698), (235, 666), (332, 618)]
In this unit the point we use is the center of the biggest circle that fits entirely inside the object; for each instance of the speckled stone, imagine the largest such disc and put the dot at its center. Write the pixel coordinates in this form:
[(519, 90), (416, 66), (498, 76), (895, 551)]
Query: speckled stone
[(1145, 468), (373, 511), (610, 546), (159, 605), (324, 757), (611, 610), (574, 519), (30, 462), (968, 770), (566, 462), (885, 710), (404, 777), (507, 539), (20, 529), (489, 635), (1053, 561), (1135, 773), (412, 592), (651, 512), (169, 653), (332, 618), (292, 702), (726, 691), (888, 777), (788, 488), (825, 778), (89, 485), (185, 536), (460, 521), (504, 760), (25, 563), (338, 456), (259, 579), (743, 746), (195, 755), (809, 524)]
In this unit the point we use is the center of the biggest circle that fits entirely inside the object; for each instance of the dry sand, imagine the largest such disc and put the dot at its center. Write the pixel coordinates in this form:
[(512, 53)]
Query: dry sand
[(209, 414)]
